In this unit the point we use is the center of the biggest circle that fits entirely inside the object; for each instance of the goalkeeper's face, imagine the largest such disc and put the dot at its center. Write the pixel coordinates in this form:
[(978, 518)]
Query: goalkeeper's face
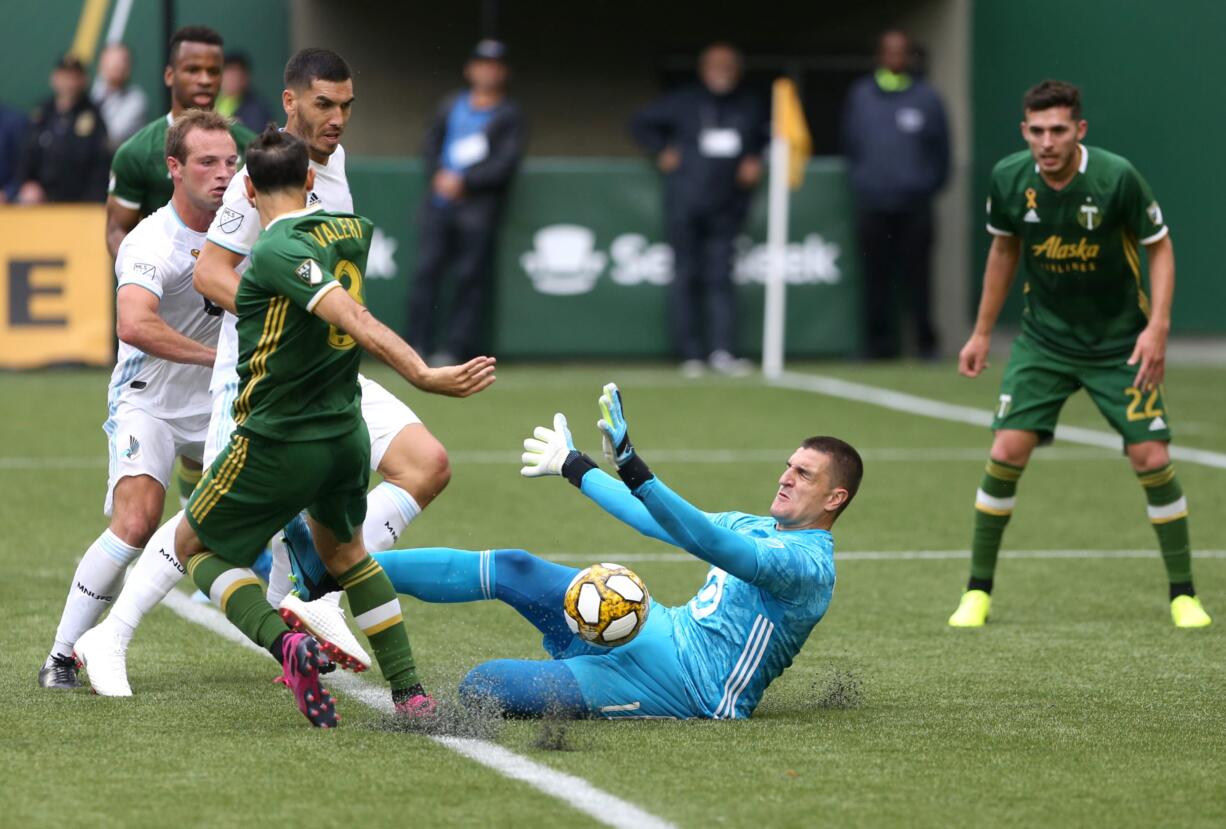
[(807, 497)]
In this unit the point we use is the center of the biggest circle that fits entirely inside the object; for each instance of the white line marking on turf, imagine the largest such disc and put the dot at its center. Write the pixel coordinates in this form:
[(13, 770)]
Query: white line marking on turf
[(477, 457), (894, 555), (573, 791), (913, 404)]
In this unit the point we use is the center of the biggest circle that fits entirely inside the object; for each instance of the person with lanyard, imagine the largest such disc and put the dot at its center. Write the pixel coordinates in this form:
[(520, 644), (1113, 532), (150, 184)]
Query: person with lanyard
[(896, 140), (472, 150), (707, 139)]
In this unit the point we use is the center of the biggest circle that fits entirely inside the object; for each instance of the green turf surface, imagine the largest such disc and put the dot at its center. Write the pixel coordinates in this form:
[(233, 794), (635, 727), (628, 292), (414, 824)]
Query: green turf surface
[(1078, 705)]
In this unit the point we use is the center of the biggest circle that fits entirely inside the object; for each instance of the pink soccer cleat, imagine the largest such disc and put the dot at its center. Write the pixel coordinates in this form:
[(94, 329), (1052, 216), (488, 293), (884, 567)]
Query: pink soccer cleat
[(301, 659)]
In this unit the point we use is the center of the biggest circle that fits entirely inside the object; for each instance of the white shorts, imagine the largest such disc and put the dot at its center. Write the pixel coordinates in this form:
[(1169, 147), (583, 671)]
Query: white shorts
[(143, 444), (384, 413)]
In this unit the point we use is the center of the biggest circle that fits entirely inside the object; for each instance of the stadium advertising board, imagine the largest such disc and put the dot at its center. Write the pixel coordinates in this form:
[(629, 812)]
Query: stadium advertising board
[(57, 300)]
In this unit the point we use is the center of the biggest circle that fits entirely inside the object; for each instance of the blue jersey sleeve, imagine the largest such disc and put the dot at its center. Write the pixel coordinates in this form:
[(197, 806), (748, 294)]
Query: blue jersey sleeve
[(615, 498), (787, 571), (696, 532)]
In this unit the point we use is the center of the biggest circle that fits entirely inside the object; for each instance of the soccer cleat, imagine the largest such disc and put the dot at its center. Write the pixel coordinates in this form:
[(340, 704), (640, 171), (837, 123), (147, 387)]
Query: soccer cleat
[(310, 578), (1186, 612), (105, 662), (417, 707), (301, 661), (724, 363), (972, 611), (326, 622), (59, 672)]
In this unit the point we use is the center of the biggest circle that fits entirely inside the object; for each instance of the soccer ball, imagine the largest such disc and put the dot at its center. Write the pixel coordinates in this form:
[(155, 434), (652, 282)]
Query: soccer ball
[(606, 604)]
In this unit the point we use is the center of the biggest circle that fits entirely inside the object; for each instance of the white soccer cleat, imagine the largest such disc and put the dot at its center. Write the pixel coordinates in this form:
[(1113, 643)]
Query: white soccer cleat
[(326, 622), (105, 662)]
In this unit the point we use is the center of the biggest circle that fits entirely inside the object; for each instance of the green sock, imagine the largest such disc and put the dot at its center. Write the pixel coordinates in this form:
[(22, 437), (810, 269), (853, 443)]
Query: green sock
[(1168, 512), (186, 480), (376, 609), (240, 596), (993, 508)]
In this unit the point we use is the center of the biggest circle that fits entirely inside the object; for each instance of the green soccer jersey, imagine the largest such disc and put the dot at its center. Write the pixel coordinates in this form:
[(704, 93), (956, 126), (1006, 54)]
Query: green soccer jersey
[(139, 178), (1084, 292), (297, 374)]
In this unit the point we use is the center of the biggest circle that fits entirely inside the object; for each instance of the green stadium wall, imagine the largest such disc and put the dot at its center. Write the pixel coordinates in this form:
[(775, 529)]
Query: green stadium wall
[(1149, 74)]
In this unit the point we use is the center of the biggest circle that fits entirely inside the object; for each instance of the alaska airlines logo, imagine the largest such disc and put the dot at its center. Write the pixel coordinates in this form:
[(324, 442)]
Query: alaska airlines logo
[(1054, 247)]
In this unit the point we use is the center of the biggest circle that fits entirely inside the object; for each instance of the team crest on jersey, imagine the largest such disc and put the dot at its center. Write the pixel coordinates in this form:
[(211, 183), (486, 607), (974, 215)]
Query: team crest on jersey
[(144, 269), (1087, 215), (310, 273), (230, 220), (133, 448), (1155, 213), (195, 253)]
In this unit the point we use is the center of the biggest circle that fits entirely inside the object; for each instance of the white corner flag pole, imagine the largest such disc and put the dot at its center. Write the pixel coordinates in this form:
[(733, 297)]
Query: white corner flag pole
[(776, 246)]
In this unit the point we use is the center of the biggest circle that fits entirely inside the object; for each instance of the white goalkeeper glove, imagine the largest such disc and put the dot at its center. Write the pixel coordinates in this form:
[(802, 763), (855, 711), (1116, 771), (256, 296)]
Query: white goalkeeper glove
[(547, 449)]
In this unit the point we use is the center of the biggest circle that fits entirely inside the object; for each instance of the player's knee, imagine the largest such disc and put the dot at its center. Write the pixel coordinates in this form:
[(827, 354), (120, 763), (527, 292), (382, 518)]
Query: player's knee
[(484, 684), (418, 463), (513, 563), (1013, 449), (1151, 454), (135, 527)]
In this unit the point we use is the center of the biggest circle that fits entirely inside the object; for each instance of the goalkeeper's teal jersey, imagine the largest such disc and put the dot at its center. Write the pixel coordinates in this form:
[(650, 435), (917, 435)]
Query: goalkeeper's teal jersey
[(733, 638)]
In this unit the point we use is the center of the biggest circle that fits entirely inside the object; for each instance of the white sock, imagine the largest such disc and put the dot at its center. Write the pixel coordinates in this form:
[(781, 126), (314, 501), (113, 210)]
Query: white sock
[(93, 587), (278, 578), (389, 509), (156, 573)]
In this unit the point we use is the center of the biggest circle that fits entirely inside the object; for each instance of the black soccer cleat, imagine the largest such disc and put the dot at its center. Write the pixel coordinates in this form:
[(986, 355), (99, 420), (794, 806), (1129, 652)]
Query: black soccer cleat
[(59, 672)]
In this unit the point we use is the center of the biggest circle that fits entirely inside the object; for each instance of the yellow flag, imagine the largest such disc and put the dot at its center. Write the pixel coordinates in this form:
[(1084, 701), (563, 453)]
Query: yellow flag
[(788, 121)]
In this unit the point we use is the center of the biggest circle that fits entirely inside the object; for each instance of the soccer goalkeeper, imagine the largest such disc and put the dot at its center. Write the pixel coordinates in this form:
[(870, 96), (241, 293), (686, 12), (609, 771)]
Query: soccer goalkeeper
[(771, 581)]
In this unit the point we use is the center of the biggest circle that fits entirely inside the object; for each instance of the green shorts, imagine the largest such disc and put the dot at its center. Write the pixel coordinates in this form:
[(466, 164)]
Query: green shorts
[(257, 485), (1036, 384)]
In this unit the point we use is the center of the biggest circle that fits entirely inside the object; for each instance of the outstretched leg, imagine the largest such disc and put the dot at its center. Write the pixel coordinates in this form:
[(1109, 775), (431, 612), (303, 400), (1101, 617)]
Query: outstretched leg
[(524, 688)]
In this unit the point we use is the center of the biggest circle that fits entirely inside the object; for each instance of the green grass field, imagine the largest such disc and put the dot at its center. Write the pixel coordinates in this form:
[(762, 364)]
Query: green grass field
[(1079, 704)]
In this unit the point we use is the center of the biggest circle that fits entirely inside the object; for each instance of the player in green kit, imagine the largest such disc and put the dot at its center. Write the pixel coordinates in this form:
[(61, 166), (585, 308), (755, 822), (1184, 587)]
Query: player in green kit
[(1075, 218), (300, 441), (140, 183)]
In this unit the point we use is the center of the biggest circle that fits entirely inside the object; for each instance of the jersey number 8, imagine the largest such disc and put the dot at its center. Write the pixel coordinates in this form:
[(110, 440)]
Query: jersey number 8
[(350, 278)]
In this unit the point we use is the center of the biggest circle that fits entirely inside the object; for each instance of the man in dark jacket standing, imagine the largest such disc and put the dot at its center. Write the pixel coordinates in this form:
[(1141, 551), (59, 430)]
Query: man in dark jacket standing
[(896, 140), (471, 152), (707, 139), (65, 157)]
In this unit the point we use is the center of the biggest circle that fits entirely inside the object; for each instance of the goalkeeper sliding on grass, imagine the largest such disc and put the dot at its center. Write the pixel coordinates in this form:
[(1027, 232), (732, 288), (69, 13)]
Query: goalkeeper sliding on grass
[(771, 581)]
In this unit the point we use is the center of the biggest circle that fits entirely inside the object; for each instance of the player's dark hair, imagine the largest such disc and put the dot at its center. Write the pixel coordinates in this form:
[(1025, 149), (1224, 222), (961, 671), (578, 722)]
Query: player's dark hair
[(192, 119), (315, 64), (846, 466), (277, 160), (1049, 94), (192, 34), (238, 59)]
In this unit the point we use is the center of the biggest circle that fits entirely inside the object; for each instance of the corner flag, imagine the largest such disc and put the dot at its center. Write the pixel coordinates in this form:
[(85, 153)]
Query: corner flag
[(788, 123)]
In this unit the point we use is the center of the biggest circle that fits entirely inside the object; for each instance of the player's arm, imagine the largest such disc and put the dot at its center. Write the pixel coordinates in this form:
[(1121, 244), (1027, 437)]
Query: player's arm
[(552, 452), (125, 192), (216, 275), (137, 323), (1149, 355), (691, 528), (340, 309), (998, 278), (120, 219)]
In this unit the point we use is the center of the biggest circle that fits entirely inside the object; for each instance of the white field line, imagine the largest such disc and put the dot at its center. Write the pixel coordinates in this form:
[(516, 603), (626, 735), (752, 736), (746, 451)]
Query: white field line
[(892, 555), (913, 404), (696, 456), (572, 791)]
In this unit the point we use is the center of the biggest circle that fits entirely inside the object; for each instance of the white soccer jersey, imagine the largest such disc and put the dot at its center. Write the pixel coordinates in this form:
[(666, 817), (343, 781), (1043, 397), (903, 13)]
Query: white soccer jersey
[(159, 255), (236, 228)]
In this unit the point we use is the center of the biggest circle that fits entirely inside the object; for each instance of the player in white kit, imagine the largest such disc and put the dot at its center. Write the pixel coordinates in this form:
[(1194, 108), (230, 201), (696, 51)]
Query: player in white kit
[(317, 99), (158, 402)]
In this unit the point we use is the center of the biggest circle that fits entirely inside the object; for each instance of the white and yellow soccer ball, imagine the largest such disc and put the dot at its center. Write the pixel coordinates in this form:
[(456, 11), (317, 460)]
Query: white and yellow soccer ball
[(606, 604)]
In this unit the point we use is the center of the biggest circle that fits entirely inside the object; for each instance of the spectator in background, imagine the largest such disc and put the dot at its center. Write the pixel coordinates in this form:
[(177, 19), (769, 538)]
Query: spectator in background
[(65, 156), (123, 104), (12, 135), (896, 140), (236, 100), (472, 150), (707, 139)]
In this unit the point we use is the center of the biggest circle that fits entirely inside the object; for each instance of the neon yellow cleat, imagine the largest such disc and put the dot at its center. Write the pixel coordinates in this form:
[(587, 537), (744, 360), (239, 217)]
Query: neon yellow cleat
[(1186, 612), (972, 611)]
